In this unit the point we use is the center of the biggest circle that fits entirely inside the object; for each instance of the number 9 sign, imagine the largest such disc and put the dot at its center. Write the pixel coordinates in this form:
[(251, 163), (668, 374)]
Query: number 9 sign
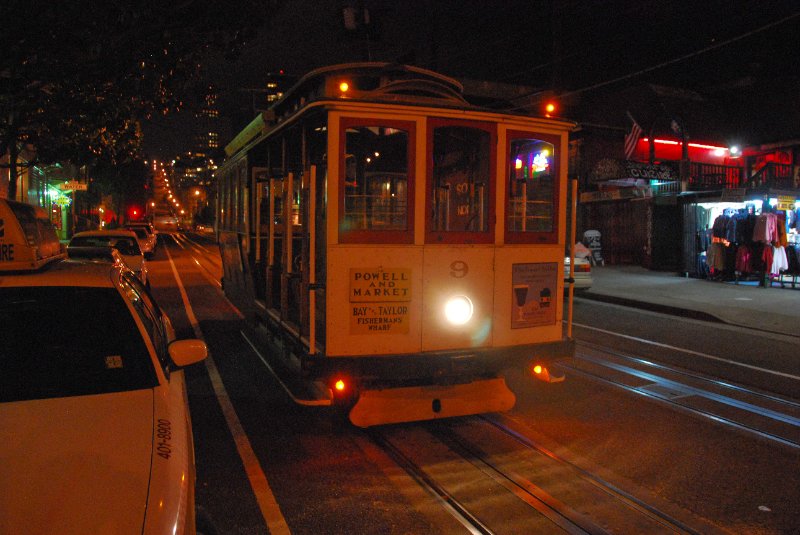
[(459, 269)]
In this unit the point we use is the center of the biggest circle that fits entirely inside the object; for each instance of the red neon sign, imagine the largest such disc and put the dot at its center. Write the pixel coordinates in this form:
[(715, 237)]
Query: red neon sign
[(696, 145)]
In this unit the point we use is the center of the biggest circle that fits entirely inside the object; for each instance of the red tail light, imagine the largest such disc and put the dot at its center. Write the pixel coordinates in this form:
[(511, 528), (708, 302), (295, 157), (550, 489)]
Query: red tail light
[(544, 374)]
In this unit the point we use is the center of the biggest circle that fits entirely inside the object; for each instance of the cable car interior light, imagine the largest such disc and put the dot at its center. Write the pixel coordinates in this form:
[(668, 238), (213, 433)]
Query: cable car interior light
[(540, 162)]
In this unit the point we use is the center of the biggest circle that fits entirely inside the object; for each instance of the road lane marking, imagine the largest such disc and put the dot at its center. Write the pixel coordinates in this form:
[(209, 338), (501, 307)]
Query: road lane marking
[(691, 352), (270, 510)]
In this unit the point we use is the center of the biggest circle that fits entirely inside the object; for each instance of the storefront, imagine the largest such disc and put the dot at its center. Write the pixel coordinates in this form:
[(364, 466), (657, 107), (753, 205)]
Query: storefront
[(637, 222), (661, 214), (742, 236)]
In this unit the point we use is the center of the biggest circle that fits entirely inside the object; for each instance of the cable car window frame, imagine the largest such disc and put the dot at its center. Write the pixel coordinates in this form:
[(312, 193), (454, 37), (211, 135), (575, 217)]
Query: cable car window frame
[(531, 236), (451, 237), (405, 236)]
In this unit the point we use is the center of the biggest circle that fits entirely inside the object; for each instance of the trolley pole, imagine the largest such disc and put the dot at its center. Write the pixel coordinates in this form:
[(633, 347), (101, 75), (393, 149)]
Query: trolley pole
[(573, 221)]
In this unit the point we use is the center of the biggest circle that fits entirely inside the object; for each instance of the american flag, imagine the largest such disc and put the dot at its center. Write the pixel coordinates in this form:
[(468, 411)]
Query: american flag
[(632, 137)]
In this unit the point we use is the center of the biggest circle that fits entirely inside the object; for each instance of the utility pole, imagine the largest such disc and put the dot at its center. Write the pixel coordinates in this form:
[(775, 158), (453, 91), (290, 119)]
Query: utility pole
[(356, 19), (678, 127)]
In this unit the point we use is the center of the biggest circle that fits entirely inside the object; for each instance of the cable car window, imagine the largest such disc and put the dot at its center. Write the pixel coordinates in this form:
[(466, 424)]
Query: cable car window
[(461, 178), (376, 184), (532, 189)]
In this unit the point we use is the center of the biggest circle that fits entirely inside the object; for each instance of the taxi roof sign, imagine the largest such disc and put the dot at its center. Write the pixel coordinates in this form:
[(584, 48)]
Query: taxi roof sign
[(28, 240)]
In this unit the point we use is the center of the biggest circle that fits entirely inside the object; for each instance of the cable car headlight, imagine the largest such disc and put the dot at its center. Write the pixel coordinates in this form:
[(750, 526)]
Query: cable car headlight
[(458, 309)]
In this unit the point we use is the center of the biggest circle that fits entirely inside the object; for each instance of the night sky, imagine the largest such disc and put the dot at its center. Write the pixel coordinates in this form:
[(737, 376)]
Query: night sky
[(742, 54)]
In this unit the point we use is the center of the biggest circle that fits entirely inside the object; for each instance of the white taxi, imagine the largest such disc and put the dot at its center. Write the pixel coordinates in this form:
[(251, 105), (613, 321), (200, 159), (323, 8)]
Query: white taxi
[(95, 431)]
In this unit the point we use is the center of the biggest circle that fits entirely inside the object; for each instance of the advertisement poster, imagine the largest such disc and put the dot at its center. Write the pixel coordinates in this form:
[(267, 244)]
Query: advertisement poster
[(378, 300), (534, 288)]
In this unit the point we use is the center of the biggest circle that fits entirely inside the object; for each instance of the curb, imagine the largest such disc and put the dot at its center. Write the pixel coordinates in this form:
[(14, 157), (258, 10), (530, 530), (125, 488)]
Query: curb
[(653, 307)]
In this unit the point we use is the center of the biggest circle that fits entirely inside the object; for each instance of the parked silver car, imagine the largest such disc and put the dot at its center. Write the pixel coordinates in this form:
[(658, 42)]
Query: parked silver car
[(582, 275), (124, 241), (147, 238)]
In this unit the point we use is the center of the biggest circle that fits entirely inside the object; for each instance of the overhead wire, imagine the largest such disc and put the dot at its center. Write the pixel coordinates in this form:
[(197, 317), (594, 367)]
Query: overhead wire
[(668, 62), (596, 43)]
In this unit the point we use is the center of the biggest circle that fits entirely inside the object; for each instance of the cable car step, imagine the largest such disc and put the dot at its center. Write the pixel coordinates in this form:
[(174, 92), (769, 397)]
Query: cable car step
[(302, 392), (409, 404)]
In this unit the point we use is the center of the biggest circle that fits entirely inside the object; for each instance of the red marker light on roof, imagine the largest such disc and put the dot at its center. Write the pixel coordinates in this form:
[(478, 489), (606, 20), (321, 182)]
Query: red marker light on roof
[(344, 87)]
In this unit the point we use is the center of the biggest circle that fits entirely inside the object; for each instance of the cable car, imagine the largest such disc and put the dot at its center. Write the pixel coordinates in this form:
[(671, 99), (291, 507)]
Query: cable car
[(398, 246)]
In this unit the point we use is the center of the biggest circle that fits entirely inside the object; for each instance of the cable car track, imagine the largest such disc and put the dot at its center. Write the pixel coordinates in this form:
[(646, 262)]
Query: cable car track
[(695, 375), (706, 356), (772, 417), (529, 486), (497, 420), (450, 504)]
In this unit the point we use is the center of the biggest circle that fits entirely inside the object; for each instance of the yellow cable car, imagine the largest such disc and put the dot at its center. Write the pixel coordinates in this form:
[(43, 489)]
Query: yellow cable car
[(400, 246)]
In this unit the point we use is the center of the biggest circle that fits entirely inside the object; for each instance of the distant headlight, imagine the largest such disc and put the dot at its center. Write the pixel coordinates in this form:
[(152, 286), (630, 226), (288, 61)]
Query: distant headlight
[(458, 310)]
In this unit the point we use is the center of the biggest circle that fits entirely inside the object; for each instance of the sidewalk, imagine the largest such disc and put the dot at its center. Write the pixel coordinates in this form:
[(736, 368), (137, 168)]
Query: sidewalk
[(771, 309)]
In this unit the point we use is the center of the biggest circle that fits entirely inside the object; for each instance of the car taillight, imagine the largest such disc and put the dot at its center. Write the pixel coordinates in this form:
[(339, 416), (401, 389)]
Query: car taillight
[(585, 268)]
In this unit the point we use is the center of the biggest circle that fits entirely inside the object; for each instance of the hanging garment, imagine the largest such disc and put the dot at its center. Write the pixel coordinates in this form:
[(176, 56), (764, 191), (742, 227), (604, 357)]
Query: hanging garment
[(715, 256), (702, 266), (720, 226), (793, 259), (744, 259), (772, 227), (702, 239), (751, 225), (766, 229), (766, 258), (745, 224), (779, 261), (731, 228), (783, 240)]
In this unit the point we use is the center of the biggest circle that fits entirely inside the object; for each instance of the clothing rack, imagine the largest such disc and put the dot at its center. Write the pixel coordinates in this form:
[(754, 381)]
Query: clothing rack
[(742, 246)]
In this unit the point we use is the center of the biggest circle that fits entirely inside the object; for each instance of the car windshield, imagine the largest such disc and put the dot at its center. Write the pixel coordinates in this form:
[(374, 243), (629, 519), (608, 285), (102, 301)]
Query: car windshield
[(69, 341), (124, 244), (140, 232)]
